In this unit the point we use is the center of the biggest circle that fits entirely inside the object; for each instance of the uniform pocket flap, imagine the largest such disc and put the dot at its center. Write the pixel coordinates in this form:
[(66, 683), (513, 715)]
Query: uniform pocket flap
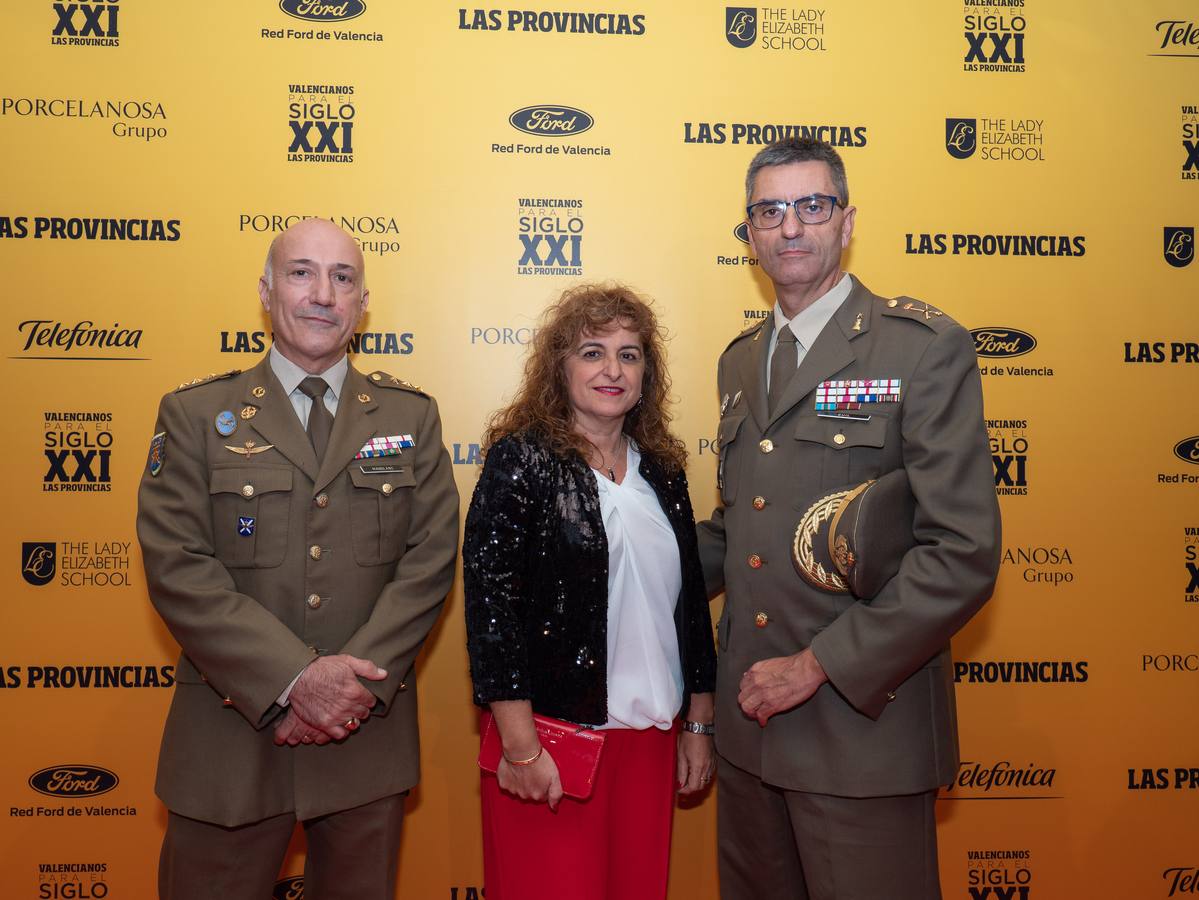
[(250, 481), (383, 477), (729, 426), (840, 434)]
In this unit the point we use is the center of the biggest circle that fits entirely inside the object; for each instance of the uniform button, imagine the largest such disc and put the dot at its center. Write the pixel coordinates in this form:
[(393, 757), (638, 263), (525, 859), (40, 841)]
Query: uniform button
[(375, 376), (387, 488), (766, 446), (322, 500), (314, 551), (892, 303), (761, 619), (838, 439), (759, 502), (755, 561), (314, 601), (247, 490)]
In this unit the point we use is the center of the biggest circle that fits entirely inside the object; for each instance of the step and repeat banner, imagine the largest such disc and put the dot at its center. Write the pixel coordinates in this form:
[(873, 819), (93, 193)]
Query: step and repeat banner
[(1031, 168)]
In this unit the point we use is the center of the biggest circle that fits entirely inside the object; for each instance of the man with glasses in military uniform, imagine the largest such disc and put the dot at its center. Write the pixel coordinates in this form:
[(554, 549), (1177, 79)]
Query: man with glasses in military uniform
[(835, 719)]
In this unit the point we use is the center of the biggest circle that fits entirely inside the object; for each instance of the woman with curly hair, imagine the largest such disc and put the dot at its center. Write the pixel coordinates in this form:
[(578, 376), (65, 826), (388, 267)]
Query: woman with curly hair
[(585, 603)]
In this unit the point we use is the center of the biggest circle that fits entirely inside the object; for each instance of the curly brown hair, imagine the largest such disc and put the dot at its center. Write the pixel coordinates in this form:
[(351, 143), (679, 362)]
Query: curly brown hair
[(541, 407)]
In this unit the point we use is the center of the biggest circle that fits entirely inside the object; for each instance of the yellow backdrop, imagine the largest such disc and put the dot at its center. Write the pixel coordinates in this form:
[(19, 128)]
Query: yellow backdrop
[(1028, 167)]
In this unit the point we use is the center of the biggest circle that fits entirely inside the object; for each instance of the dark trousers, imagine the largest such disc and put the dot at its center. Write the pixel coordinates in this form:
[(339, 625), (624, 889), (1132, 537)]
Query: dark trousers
[(352, 854), (778, 843)]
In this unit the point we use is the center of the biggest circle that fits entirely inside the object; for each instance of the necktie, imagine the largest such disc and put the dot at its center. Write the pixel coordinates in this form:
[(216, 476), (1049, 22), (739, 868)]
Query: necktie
[(782, 365), (320, 420)]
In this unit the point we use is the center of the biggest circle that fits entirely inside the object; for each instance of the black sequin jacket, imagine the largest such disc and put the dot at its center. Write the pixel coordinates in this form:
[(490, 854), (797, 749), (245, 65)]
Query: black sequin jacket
[(535, 564)]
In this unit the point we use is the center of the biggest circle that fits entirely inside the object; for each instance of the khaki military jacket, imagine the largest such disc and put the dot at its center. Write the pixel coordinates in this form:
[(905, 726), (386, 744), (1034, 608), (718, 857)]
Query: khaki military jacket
[(258, 559), (885, 724)]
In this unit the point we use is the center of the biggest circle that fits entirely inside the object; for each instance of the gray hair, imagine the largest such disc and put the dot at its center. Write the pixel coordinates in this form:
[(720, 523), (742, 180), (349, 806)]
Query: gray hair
[(797, 150)]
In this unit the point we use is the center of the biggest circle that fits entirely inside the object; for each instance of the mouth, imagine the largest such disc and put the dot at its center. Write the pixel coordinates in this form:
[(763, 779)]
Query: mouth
[(610, 391), (319, 321)]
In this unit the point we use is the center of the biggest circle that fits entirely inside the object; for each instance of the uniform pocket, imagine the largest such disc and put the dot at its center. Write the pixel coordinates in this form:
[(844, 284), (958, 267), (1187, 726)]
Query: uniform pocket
[(851, 450), (380, 510), (251, 507)]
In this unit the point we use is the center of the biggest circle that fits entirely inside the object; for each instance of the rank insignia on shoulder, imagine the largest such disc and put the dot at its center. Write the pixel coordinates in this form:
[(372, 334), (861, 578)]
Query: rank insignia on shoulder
[(386, 380), (158, 453), (205, 379), (245, 526)]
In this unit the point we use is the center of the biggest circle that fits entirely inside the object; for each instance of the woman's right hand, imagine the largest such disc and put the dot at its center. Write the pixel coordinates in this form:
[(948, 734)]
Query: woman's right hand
[(537, 781)]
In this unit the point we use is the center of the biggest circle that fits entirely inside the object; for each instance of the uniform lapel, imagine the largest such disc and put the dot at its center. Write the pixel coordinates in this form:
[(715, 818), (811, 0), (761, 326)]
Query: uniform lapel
[(752, 371), (275, 420), (832, 351), (352, 426)]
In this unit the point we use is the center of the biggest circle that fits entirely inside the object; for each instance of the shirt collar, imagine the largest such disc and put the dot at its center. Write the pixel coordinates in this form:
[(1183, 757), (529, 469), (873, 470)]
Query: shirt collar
[(810, 321), (290, 375)]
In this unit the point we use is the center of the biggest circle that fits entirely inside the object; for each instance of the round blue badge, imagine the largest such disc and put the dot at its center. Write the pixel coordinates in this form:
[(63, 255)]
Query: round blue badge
[(226, 423)]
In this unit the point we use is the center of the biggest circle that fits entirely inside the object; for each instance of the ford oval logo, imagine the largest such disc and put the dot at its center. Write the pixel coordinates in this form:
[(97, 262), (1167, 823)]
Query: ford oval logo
[(551, 121), (1188, 450), (315, 11), (73, 781), (741, 232), (1002, 341), (289, 888)]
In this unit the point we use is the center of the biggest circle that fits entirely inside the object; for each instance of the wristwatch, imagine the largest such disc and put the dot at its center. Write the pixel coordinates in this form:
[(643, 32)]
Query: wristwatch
[(699, 728)]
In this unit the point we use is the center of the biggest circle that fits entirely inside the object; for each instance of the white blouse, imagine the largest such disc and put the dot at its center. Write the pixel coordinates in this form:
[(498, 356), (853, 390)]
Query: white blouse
[(645, 675)]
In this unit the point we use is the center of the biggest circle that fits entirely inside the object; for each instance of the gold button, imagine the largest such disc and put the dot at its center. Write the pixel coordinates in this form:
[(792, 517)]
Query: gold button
[(759, 502), (755, 561), (838, 439), (767, 446), (247, 490), (892, 303), (761, 619), (322, 500), (387, 488), (375, 376), (314, 601), (314, 551)]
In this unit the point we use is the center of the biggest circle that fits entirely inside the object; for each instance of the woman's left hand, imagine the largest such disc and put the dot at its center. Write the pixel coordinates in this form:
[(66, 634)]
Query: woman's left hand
[(697, 762)]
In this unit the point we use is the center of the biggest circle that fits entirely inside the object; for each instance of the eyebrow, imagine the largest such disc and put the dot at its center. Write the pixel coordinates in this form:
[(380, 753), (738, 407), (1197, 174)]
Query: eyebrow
[(336, 267), (636, 347)]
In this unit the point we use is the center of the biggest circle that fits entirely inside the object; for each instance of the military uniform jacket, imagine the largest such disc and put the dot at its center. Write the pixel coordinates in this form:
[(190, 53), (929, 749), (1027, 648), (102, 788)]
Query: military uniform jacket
[(258, 561), (885, 723)]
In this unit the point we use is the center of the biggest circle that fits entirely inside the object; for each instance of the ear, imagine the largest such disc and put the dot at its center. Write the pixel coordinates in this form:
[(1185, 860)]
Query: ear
[(366, 297), (847, 225), (264, 294)]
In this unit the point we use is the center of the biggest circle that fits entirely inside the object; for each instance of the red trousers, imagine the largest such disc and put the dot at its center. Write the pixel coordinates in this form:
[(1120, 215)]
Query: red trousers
[(613, 846)]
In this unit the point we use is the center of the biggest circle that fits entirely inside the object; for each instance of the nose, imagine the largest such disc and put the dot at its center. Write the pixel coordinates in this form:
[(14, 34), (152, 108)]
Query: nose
[(322, 292), (612, 367), (791, 226)]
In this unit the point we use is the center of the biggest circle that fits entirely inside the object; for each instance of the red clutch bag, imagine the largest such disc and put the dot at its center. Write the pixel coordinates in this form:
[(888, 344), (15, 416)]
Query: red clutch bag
[(576, 751)]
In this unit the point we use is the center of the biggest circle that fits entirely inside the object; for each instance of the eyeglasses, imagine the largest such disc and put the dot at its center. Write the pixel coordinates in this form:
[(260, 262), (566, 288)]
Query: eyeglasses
[(814, 210)]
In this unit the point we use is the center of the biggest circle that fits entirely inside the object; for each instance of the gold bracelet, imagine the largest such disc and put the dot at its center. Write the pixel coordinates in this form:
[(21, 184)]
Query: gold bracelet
[(524, 762)]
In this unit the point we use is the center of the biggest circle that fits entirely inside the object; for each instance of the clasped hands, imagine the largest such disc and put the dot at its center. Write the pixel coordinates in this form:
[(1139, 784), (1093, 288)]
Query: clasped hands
[(327, 701), (778, 684)]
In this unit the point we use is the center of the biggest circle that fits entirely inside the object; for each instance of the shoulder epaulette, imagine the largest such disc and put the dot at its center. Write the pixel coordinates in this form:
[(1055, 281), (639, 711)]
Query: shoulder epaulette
[(754, 329), (916, 310), (205, 379), (383, 379)]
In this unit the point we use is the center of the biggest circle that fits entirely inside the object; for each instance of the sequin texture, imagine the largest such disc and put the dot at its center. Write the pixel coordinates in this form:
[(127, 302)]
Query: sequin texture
[(535, 570)]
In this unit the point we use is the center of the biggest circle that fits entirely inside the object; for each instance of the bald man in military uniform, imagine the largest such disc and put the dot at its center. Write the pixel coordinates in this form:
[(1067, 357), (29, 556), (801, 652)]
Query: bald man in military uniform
[(835, 719), (299, 525)]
